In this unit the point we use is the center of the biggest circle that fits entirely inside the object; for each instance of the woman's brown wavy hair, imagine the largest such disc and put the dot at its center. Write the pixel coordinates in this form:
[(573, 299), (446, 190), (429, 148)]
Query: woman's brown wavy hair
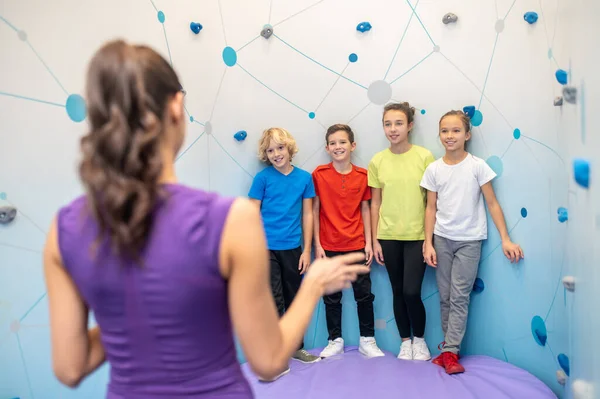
[(128, 90)]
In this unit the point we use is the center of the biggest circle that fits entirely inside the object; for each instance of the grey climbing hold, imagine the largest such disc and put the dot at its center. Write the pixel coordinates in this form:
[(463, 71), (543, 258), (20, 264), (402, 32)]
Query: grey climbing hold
[(449, 18), (7, 214), (267, 31), (570, 94), (22, 35), (569, 283), (208, 128), (561, 377), (558, 101)]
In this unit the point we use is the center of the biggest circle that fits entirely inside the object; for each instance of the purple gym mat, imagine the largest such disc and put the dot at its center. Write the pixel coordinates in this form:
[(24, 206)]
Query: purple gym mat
[(351, 375)]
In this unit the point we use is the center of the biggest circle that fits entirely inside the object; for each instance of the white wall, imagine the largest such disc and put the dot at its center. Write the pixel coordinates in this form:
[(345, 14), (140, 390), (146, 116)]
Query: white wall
[(507, 73)]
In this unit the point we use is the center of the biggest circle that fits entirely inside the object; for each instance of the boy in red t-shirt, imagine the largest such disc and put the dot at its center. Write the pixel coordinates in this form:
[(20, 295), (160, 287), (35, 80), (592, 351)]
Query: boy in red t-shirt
[(342, 225)]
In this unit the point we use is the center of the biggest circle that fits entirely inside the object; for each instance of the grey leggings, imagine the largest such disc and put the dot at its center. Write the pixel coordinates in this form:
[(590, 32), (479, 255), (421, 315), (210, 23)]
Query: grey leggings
[(457, 265)]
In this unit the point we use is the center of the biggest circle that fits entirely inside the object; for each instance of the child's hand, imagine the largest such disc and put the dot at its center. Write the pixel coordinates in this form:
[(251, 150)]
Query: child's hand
[(512, 251), (429, 255), (368, 254), (304, 262), (319, 253), (378, 253)]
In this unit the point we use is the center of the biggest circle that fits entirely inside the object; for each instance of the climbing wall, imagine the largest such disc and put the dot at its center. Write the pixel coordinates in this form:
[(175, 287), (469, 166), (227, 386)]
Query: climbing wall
[(305, 65)]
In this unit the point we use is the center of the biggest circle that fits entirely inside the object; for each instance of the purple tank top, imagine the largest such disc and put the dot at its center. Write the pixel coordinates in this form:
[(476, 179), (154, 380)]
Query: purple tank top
[(165, 327)]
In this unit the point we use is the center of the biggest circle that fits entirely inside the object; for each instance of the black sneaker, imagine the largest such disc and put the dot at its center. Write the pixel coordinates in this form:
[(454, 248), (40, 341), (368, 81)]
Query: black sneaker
[(303, 356)]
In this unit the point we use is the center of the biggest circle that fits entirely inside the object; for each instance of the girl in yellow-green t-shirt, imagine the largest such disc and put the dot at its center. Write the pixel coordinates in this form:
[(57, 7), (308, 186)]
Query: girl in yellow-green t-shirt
[(397, 215)]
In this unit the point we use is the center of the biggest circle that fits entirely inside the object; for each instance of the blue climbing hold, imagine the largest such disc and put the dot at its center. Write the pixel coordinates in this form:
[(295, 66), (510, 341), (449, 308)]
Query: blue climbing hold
[(195, 27), (161, 17), (563, 214), (517, 134), (538, 329), (191, 118), (524, 212), (363, 27), (478, 285), (562, 76), (496, 164), (469, 110), (477, 118), (353, 57), (76, 108), (563, 361), (581, 171), (241, 135), (531, 17), (229, 56), (2, 196), (311, 115), (423, 112)]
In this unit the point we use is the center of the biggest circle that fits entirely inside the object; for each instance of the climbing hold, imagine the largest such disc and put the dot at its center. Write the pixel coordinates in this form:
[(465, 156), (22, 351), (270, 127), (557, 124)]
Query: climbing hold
[(570, 94), (196, 27), (563, 361), (478, 285), (449, 18), (363, 27), (569, 283), (581, 171), (563, 214), (267, 31), (561, 377), (469, 110), (241, 135), (7, 214), (562, 76), (531, 17), (558, 101), (538, 329)]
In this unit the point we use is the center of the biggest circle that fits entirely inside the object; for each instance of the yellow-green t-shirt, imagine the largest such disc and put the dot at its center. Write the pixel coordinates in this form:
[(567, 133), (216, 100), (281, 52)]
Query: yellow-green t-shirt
[(402, 211)]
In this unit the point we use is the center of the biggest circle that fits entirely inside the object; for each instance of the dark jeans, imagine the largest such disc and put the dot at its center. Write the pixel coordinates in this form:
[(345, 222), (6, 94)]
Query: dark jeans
[(285, 278), (406, 269), (364, 303)]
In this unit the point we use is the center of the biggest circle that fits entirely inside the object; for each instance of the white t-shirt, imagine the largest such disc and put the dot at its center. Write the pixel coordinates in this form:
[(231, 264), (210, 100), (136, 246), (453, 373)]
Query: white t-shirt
[(460, 204)]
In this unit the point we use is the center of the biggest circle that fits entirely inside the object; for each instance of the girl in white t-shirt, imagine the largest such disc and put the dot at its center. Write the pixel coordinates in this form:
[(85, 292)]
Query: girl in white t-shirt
[(455, 225)]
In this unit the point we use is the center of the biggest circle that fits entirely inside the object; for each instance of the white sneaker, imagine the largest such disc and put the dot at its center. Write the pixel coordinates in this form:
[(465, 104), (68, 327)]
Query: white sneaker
[(406, 350), (368, 347), (420, 349), (334, 347)]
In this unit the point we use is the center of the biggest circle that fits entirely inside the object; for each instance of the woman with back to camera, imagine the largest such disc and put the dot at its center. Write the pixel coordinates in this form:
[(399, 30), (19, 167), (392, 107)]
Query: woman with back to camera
[(167, 270)]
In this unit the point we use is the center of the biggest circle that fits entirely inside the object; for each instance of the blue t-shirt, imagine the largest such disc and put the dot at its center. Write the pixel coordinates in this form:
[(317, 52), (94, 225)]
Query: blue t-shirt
[(281, 206)]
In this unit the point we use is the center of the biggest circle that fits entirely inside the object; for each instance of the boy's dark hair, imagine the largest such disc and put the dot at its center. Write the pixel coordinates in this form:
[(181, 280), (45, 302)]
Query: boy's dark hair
[(336, 128)]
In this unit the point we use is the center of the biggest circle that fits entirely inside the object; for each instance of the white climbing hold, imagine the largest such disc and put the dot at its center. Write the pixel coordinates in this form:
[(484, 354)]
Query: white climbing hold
[(569, 283), (582, 390), (561, 377), (449, 18)]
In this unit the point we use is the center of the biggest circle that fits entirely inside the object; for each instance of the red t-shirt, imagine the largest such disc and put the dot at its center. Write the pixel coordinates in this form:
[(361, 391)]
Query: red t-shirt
[(341, 226)]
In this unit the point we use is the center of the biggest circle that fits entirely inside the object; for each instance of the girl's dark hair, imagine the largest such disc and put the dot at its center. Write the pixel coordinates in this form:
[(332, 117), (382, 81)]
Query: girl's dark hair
[(464, 118), (128, 89), (336, 128), (403, 107)]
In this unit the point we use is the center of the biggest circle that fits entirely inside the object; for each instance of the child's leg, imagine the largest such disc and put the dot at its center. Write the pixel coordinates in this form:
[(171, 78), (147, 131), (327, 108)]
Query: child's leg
[(414, 271), (291, 278), (464, 272), (393, 255), (364, 303), (445, 255), (333, 309), (276, 283)]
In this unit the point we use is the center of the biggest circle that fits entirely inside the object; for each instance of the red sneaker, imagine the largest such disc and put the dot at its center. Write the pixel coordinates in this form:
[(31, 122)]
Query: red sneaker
[(452, 365), (440, 360)]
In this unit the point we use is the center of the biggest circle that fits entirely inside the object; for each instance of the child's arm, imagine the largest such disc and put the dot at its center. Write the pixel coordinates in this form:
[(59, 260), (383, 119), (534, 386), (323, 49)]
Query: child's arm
[(366, 218), (430, 211), (307, 233), (375, 205), (319, 251), (511, 250)]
